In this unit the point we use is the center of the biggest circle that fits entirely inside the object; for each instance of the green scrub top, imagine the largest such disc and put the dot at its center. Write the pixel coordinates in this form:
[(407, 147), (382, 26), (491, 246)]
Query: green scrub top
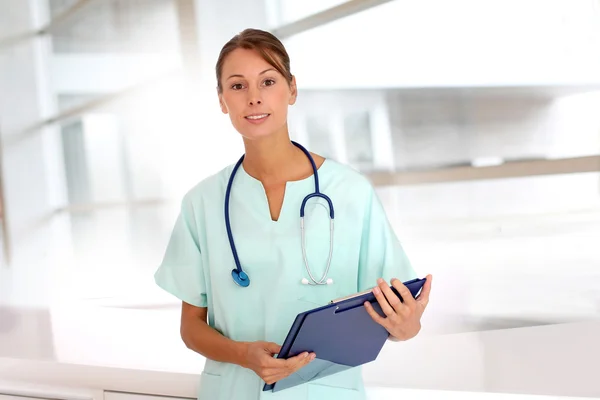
[(198, 261)]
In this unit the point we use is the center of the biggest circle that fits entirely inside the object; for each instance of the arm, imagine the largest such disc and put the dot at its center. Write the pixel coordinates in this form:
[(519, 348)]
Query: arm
[(198, 336), (182, 273), (205, 340), (383, 259)]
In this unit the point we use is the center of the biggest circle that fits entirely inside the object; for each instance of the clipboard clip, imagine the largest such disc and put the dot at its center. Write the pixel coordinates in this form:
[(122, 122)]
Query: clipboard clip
[(352, 296), (410, 284)]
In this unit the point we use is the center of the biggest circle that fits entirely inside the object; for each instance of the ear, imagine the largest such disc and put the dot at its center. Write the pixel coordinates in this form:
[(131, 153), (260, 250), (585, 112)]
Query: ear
[(293, 91), (222, 103)]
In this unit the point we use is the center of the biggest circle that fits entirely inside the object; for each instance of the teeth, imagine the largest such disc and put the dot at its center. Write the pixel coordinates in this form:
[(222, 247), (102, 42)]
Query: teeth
[(257, 116)]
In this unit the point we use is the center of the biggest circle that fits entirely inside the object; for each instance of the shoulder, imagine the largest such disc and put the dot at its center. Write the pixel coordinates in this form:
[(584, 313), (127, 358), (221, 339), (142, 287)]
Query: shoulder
[(212, 186), (348, 177), (351, 189)]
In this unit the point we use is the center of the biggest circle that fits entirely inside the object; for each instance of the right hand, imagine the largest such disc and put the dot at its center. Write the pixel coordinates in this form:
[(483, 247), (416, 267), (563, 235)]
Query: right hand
[(259, 358)]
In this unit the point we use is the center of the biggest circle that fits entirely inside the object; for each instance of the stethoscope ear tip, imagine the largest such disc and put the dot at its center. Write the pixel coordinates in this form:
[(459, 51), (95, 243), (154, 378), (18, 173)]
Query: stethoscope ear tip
[(306, 282)]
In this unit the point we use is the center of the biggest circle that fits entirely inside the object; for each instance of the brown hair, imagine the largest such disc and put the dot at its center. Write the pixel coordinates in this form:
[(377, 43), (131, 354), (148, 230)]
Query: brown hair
[(266, 44)]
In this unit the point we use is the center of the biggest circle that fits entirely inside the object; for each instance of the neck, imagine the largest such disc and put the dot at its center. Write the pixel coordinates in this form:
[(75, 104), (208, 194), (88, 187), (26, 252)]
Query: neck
[(271, 159)]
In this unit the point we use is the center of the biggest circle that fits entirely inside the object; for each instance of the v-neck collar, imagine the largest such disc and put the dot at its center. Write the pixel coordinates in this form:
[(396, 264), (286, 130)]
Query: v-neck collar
[(292, 195)]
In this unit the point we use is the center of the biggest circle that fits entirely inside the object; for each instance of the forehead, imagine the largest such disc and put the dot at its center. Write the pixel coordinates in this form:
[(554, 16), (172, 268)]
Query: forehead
[(244, 62)]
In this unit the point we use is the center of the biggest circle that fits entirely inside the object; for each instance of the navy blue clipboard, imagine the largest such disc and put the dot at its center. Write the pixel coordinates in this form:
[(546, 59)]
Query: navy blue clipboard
[(341, 334)]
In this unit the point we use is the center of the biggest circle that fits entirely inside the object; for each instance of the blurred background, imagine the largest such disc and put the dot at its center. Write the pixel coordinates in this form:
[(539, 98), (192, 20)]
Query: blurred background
[(477, 120)]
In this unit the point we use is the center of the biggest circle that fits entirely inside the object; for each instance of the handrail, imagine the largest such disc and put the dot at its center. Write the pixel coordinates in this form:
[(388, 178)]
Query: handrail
[(510, 169), (51, 26), (324, 17)]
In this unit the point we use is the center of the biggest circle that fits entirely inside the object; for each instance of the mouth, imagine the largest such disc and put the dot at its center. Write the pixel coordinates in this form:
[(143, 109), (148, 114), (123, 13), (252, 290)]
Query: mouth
[(256, 118)]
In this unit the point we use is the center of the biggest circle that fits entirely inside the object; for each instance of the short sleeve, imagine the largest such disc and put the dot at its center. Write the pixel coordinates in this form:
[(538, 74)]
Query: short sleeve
[(381, 254), (181, 272)]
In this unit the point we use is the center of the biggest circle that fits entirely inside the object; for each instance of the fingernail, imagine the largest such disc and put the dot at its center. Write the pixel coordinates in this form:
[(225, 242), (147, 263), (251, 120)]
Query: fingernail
[(376, 290), (379, 280), (312, 357), (305, 355)]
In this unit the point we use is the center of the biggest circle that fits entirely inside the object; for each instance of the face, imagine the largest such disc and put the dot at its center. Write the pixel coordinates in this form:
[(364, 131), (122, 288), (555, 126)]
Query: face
[(255, 95)]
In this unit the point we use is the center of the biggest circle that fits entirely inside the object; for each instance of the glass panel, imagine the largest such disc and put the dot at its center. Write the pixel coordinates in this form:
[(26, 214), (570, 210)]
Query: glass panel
[(113, 250), (319, 135), (455, 98), (76, 165), (434, 128), (96, 164), (109, 46), (359, 147), (502, 249), (147, 145), (118, 26), (59, 6)]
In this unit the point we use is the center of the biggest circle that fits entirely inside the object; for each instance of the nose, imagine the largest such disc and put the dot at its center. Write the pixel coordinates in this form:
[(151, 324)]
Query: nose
[(254, 97)]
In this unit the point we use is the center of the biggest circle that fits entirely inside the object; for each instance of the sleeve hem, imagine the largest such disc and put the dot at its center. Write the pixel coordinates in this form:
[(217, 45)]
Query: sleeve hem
[(197, 302)]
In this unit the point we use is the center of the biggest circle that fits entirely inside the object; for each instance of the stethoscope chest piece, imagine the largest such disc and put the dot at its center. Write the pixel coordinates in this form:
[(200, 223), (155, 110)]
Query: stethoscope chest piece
[(240, 277)]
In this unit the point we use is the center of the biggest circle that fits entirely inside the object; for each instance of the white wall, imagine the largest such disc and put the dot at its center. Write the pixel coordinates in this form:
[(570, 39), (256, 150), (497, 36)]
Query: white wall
[(402, 44), (107, 73)]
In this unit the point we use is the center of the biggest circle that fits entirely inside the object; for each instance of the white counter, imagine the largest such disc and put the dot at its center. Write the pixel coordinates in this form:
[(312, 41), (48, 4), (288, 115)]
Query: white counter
[(97, 348), (89, 350)]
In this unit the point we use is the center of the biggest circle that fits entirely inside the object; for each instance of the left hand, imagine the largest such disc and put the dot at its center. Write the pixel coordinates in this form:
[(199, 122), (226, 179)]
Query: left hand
[(403, 319)]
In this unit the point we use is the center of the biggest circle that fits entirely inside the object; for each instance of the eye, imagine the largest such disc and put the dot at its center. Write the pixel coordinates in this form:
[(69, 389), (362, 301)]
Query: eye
[(237, 86), (269, 82)]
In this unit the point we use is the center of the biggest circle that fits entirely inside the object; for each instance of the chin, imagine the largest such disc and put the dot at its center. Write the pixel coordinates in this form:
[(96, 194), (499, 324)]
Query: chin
[(257, 132)]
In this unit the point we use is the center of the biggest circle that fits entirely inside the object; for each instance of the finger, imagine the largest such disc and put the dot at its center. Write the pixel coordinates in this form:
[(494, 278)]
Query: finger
[(279, 363), (305, 361), (272, 348), (385, 306), (288, 367), (393, 299), (423, 297), (283, 363), (279, 374), (293, 362), (268, 374), (405, 292), (376, 317), (272, 377)]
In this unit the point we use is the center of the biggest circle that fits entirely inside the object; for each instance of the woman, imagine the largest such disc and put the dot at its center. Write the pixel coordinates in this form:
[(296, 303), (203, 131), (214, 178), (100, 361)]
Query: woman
[(239, 321)]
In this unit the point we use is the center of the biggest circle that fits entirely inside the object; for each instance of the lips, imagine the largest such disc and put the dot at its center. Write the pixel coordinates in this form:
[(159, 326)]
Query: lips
[(256, 117)]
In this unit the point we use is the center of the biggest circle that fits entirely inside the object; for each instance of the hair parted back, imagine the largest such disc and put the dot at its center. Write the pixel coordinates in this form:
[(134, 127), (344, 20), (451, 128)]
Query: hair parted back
[(265, 43)]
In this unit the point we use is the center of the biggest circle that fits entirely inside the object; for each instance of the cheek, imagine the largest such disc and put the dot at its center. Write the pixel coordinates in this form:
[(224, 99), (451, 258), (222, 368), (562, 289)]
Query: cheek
[(233, 108), (280, 101), (228, 104)]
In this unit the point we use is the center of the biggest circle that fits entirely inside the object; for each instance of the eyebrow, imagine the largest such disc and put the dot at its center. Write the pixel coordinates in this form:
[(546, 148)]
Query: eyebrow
[(241, 76)]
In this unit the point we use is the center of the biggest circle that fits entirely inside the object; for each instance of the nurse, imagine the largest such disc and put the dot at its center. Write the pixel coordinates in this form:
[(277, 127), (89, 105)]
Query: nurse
[(239, 260)]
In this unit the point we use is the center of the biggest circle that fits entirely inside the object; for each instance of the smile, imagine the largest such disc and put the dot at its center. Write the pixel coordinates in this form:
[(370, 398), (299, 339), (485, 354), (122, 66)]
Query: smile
[(257, 117)]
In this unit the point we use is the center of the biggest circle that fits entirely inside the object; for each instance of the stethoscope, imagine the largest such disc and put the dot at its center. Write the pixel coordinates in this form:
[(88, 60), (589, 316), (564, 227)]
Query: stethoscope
[(239, 276)]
